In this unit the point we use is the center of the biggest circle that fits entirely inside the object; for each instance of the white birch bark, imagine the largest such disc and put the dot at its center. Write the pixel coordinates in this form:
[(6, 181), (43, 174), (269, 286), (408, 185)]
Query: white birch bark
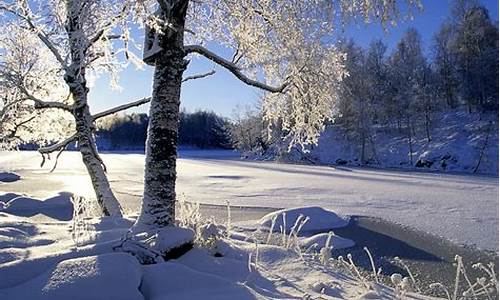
[(158, 205), (75, 79)]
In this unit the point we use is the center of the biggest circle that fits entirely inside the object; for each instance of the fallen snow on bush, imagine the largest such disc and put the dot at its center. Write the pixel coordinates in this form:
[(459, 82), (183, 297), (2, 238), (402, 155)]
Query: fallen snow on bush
[(319, 219), (336, 242)]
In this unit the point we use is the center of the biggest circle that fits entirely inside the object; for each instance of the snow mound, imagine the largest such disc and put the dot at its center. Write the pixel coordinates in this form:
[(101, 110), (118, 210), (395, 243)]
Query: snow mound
[(336, 242), (319, 219), (176, 281), (108, 276), (57, 207), (169, 238)]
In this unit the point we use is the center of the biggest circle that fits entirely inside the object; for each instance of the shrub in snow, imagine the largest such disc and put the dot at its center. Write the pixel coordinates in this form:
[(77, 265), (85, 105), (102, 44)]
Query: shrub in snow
[(480, 288), (188, 214), (398, 261), (83, 209), (319, 219), (208, 234)]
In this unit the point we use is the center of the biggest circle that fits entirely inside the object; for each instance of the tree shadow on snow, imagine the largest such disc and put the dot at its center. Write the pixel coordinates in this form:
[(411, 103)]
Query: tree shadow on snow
[(9, 177), (58, 207)]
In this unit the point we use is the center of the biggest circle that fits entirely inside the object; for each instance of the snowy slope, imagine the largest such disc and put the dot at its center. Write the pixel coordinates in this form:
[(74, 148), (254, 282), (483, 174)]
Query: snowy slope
[(457, 140)]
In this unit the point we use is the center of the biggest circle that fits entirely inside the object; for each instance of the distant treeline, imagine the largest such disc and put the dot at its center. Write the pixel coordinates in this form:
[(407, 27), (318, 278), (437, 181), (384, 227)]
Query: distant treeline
[(200, 129)]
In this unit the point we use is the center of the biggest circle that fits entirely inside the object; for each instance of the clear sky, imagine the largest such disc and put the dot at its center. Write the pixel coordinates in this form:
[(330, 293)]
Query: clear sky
[(222, 92)]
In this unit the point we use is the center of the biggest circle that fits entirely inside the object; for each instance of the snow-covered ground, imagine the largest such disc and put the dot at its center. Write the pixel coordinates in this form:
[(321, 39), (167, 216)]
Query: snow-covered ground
[(38, 261), (462, 208), (44, 254)]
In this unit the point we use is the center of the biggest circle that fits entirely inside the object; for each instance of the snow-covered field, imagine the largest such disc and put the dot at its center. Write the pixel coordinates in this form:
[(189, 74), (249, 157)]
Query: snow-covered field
[(44, 254), (462, 208)]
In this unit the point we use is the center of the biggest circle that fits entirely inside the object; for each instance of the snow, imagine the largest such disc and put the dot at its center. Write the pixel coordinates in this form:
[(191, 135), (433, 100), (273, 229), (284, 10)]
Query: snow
[(336, 242), (457, 141), (171, 237), (106, 276), (459, 207), (319, 219), (59, 206), (45, 264)]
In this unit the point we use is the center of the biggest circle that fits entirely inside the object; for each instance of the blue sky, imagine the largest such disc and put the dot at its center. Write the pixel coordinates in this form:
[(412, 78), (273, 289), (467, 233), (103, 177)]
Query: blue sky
[(222, 92)]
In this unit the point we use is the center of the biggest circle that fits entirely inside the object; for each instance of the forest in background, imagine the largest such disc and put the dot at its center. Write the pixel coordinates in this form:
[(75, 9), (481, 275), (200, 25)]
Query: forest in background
[(404, 95)]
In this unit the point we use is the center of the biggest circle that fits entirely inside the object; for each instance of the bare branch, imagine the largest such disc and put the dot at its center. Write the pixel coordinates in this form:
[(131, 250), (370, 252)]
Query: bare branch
[(231, 67), (198, 76), (57, 158), (51, 104), (120, 108)]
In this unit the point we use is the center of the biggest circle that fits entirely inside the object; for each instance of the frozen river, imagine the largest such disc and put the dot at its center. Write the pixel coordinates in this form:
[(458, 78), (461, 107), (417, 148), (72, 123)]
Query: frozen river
[(461, 208)]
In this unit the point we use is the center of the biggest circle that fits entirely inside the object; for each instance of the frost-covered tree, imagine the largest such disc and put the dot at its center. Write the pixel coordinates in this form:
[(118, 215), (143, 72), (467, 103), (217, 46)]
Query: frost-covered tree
[(408, 79), (376, 73), (248, 130), (356, 102), (22, 61), (476, 46), (79, 37), (445, 60), (282, 47)]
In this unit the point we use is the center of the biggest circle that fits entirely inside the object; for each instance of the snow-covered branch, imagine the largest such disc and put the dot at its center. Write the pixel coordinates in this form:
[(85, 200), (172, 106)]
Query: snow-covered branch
[(38, 31), (40, 104), (59, 145), (198, 76), (231, 67), (101, 33), (120, 108)]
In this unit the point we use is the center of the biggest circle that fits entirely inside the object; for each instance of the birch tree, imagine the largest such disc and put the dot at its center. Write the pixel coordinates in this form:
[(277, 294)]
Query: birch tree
[(284, 48), (80, 39)]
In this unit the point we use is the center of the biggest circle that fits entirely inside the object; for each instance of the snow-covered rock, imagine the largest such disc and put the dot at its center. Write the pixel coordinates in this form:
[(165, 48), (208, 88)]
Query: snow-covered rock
[(170, 238), (319, 219), (107, 277), (336, 242)]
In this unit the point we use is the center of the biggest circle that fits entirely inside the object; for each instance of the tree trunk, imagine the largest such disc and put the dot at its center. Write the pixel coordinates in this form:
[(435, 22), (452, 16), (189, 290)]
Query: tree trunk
[(410, 140), (86, 141), (76, 81), (158, 204)]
